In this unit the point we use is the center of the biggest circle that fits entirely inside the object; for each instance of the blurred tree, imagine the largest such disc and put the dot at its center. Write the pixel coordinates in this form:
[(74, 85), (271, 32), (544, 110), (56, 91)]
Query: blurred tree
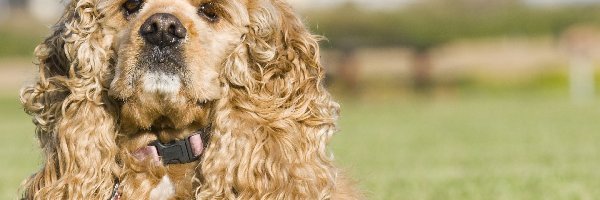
[(4, 11), (431, 23), (17, 3)]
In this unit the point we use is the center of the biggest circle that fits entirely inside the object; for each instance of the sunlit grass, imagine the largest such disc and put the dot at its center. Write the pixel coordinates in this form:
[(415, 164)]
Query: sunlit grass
[(17, 44), (501, 147), (18, 150)]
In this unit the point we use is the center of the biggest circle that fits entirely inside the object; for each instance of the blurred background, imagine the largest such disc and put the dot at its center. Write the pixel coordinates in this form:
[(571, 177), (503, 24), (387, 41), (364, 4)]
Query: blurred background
[(441, 99)]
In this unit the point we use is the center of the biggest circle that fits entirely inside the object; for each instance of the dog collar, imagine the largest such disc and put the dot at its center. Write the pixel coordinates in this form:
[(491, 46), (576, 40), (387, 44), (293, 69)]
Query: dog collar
[(176, 152)]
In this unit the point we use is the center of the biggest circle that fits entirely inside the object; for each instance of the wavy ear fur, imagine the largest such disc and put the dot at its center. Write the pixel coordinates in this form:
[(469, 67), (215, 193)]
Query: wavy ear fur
[(275, 120), (74, 119)]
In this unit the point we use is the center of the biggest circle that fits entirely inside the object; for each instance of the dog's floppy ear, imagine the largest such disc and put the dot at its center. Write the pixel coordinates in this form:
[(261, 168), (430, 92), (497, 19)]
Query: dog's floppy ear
[(73, 116), (275, 120)]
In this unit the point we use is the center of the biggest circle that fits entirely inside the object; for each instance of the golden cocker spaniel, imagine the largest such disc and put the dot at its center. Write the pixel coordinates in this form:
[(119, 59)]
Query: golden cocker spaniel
[(182, 99)]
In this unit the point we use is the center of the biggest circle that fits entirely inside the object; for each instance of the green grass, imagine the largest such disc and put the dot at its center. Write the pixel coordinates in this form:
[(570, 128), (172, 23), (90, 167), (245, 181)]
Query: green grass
[(494, 147), (472, 147), (18, 44), (18, 149)]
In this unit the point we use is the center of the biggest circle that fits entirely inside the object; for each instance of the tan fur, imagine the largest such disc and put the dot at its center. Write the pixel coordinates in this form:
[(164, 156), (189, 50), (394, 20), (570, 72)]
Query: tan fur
[(259, 69)]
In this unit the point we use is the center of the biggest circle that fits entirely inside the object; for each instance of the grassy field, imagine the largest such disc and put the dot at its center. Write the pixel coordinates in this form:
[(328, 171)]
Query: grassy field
[(18, 150), (473, 147), (481, 147)]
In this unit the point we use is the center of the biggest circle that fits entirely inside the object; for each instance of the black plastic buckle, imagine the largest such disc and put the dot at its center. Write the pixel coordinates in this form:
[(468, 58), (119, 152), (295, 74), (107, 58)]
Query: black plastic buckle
[(176, 152)]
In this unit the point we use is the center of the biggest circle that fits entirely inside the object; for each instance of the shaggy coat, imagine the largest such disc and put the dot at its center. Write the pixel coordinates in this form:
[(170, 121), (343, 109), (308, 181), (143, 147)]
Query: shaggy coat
[(248, 69)]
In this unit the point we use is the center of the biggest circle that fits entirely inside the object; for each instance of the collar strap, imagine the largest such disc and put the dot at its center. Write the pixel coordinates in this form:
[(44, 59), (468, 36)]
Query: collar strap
[(115, 195), (176, 152)]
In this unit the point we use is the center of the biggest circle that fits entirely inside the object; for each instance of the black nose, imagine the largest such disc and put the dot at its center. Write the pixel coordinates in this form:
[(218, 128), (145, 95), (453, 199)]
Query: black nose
[(163, 29)]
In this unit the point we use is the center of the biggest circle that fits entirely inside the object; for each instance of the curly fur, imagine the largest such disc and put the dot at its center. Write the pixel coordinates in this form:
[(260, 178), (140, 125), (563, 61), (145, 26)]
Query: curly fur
[(272, 119)]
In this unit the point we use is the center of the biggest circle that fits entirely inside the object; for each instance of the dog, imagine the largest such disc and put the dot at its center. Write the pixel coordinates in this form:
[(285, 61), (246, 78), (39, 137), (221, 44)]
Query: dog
[(182, 99)]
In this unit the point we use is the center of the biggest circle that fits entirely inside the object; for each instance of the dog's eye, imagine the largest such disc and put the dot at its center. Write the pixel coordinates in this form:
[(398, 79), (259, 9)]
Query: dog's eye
[(132, 6), (209, 11)]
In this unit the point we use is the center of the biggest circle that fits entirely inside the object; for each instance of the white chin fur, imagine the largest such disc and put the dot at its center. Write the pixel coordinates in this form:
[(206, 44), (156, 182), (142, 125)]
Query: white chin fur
[(164, 189), (159, 82)]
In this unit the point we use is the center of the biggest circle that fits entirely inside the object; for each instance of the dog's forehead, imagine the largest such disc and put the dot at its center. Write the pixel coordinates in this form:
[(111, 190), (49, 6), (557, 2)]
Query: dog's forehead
[(235, 12), (232, 7), (193, 2)]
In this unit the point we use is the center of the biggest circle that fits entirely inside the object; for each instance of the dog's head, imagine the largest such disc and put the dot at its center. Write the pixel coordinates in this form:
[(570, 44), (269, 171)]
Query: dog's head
[(168, 55)]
